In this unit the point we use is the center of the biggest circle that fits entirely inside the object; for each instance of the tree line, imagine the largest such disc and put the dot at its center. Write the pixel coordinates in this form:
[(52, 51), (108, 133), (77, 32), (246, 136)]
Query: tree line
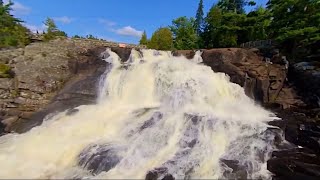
[(293, 24)]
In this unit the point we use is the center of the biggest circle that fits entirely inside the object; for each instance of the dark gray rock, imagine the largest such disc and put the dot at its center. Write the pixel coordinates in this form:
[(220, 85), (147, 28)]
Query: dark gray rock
[(99, 158), (295, 164)]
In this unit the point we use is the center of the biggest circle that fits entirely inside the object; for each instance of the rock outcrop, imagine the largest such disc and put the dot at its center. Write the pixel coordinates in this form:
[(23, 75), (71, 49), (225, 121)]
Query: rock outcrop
[(306, 76), (263, 81), (49, 77)]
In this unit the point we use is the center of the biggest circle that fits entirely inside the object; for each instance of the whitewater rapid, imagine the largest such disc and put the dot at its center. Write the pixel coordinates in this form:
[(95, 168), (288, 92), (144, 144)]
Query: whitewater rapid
[(154, 113)]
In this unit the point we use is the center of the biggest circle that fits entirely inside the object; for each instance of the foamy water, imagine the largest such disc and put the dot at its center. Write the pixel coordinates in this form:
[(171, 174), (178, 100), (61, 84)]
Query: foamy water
[(155, 112)]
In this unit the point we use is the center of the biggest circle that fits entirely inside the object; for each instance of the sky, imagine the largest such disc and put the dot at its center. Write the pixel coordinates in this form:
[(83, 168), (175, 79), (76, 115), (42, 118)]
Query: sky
[(112, 20)]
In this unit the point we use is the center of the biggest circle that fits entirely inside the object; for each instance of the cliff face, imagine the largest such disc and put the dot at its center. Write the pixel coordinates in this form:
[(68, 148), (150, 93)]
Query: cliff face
[(48, 78)]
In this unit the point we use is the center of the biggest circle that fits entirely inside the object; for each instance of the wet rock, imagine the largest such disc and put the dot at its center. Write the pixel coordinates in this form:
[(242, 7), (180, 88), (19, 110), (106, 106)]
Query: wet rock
[(2, 127), (237, 172), (295, 164), (151, 175), (153, 120), (9, 121), (158, 173), (168, 177), (194, 118), (72, 111), (99, 158), (26, 115), (189, 54)]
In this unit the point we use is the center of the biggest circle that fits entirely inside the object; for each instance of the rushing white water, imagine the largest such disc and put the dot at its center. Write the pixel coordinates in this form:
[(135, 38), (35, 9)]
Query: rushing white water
[(154, 113)]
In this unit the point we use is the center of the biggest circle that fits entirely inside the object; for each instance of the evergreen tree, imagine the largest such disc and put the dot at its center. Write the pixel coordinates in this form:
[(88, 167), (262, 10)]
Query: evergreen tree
[(51, 25), (144, 39), (236, 6), (161, 39), (52, 30), (222, 28), (12, 33), (199, 18), (256, 25), (184, 34), (296, 25)]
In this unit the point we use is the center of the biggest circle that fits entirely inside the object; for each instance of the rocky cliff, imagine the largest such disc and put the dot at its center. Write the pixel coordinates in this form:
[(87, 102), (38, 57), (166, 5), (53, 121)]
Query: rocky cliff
[(45, 78)]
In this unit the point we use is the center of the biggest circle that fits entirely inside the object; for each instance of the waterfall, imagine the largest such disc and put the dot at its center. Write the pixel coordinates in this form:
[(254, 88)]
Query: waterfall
[(155, 113)]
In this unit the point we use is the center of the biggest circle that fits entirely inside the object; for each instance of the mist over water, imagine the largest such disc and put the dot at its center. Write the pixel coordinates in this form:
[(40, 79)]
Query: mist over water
[(154, 112)]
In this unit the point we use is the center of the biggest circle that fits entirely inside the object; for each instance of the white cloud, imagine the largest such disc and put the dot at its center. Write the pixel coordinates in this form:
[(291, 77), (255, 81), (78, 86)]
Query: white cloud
[(35, 28), (128, 31), (106, 22), (63, 19), (18, 8)]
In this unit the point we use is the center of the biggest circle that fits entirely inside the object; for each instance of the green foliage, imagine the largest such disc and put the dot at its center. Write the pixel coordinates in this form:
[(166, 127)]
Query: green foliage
[(256, 25), (5, 71), (144, 39), (296, 25), (185, 36), (236, 6), (222, 28), (90, 36), (76, 36), (52, 30), (12, 33), (198, 24), (161, 39)]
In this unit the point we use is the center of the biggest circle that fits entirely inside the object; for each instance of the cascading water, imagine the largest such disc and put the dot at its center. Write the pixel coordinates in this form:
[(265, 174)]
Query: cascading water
[(155, 113)]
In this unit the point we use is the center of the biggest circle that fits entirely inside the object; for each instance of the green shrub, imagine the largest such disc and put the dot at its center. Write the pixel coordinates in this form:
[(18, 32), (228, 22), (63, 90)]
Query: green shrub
[(5, 71)]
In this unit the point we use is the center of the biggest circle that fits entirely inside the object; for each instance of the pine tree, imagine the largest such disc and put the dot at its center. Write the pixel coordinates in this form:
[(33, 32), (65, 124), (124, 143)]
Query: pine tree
[(51, 25), (12, 32), (144, 39), (295, 25), (236, 6), (222, 28), (199, 18), (52, 30)]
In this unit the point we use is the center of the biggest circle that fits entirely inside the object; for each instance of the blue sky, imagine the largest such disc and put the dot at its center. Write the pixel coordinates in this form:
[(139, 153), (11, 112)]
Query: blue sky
[(115, 20)]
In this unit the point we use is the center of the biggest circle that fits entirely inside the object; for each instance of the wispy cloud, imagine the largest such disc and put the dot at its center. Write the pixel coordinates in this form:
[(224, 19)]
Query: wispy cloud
[(106, 22), (35, 28), (63, 19), (18, 8), (128, 31)]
